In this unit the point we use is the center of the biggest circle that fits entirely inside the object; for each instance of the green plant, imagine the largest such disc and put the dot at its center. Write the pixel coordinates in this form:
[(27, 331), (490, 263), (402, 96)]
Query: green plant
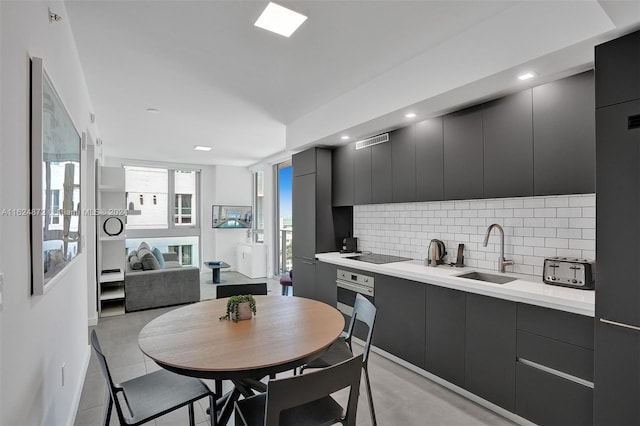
[(234, 302)]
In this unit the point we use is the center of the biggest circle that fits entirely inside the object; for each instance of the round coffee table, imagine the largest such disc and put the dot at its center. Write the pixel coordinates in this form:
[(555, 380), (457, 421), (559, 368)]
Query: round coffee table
[(215, 267)]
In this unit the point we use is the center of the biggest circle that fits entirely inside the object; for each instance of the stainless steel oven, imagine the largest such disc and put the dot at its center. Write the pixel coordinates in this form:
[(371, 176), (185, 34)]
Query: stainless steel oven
[(351, 284)]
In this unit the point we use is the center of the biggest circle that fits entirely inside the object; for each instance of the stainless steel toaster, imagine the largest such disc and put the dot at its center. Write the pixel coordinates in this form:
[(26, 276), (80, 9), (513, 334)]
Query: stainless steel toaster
[(569, 272)]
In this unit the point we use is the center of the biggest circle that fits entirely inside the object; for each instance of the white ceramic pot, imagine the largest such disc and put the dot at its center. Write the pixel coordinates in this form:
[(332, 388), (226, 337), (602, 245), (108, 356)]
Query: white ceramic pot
[(244, 311)]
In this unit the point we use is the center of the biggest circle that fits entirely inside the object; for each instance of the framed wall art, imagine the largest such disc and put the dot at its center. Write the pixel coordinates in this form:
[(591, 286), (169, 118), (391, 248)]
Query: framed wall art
[(55, 182)]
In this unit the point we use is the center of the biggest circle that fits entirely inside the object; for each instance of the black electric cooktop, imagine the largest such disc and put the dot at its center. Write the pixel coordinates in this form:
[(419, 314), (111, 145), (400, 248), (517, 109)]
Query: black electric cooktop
[(379, 258)]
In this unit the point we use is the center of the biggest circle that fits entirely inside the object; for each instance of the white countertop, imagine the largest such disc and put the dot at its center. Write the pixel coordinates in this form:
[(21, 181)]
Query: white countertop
[(526, 288)]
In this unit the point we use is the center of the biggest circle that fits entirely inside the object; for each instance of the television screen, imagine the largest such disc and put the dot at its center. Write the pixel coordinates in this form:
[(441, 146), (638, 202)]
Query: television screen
[(231, 217)]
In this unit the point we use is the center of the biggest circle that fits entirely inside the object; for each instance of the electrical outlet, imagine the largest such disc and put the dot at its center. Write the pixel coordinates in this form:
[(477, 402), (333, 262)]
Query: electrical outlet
[(63, 364)]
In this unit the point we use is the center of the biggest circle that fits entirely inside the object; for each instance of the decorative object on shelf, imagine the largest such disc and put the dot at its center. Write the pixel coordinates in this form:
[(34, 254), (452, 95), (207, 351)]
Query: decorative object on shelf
[(241, 307), (113, 226), (55, 182)]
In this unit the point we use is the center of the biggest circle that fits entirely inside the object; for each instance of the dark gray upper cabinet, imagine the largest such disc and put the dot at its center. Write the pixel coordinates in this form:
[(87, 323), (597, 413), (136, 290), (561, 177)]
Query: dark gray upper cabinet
[(343, 175), (445, 333), (400, 321), (304, 162), (564, 136), (618, 67), (490, 349), (311, 204), (463, 165), (381, 185), (429, 160), (403, 159), (508, 146), (362, 176)]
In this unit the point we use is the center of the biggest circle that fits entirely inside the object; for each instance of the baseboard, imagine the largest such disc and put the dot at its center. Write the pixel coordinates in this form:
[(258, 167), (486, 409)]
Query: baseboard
[(78, 393), (457, 389)]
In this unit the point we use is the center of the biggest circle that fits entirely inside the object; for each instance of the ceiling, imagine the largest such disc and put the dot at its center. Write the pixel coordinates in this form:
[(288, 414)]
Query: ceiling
[(353, 66)]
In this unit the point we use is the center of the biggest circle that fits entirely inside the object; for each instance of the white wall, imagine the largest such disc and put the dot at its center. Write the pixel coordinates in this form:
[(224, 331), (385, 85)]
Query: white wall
[(38, 334), (534, 227)]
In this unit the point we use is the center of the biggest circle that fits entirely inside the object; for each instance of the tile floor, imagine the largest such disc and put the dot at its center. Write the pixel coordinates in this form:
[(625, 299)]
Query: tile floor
[(401, 397)]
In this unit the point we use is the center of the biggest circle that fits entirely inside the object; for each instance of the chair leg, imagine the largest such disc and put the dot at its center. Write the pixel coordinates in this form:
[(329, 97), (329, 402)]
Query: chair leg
[(192, 420), (371, 409), (213, 415), (107, 409)]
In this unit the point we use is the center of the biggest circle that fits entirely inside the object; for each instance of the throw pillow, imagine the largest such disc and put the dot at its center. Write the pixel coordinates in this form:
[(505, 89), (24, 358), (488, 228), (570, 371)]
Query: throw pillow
[(158, 254), (131, 254), (144, 245), (134, 262), (148, 260)]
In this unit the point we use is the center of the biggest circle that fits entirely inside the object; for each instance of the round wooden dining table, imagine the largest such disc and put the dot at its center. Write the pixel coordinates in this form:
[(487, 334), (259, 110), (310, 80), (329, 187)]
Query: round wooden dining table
[(285, 333)]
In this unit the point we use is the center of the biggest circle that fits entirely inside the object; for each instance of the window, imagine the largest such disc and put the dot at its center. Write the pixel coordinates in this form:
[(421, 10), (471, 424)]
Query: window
[(182, 209), (184, 254), (55, 206), (258, 202), (187, 248)]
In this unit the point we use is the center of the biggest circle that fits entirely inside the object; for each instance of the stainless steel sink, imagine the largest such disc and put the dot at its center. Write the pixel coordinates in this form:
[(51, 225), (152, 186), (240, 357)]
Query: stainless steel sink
[(481, 276)]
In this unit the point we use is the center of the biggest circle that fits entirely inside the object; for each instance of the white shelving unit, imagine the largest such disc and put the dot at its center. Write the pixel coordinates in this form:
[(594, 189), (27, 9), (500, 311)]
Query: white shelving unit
[(111, 203)]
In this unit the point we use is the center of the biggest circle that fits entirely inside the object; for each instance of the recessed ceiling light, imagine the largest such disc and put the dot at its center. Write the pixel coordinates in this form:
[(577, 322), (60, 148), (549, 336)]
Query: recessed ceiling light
[(410, 115), (344, 137), (202, 148), (153, 111), (280, 20), (526, 76)]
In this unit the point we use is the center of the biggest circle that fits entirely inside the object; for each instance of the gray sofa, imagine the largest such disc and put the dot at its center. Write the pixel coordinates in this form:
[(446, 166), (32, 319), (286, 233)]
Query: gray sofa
[(173, 285)]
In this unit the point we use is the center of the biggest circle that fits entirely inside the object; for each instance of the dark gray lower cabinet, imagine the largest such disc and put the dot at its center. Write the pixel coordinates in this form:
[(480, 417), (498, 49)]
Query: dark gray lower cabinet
[(326, 283), (547, 399), (400, 321), (490, 349), (304, 278), (445, 333), (617, 376)]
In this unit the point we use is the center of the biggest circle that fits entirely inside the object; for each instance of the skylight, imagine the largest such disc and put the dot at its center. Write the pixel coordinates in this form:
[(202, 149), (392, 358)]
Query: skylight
[(280, 20)]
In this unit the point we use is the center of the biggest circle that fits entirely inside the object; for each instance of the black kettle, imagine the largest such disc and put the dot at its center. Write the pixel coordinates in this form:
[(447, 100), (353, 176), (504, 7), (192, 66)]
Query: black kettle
[(437, 252)]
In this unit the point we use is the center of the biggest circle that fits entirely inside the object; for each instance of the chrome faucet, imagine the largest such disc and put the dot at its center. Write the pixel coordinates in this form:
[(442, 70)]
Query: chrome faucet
[(501, 261)]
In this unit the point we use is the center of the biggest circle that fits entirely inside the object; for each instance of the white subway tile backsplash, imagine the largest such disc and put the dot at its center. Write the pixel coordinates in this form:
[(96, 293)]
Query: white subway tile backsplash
[(534, 227)]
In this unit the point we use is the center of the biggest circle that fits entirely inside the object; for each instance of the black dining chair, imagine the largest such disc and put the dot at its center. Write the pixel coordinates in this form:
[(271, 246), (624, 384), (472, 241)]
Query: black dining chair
[(228, 290), (305, 399), (341, 349), (147, 397)]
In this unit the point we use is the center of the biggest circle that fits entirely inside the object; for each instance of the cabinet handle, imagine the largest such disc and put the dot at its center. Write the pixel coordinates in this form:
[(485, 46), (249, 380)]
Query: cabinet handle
[(620, 324), (307, 262)]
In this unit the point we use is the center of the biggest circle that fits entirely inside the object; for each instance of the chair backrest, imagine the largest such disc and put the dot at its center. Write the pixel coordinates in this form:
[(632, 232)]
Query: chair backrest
[(104, 368), (290, 392), (364, 311), (228, 290)]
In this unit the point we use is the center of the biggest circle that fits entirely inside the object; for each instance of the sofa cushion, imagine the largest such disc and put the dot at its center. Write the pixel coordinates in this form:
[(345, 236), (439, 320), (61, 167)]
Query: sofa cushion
[(143, 245), (148, 260), (134, 262), (168, 264), (158, 254), (131, 254)]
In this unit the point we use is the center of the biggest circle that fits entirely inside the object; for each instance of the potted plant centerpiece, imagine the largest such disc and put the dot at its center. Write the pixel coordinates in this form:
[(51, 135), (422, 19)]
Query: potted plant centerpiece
[(241, 307)]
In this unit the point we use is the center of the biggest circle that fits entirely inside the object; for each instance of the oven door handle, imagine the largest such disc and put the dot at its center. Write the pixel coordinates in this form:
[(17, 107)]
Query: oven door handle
[(355, 287)]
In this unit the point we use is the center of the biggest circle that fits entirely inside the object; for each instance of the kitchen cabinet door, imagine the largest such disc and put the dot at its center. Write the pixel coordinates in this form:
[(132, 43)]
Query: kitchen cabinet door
[(304, 216), (400, 321), (618, 218), (403, 159), (463, 153), (362, 176), (445, 333), (564, 136), (618, 67), (304, 278), (304, 162), (508, 146), (617, 376), (381, 176), (490, 349), (342, 174), (429, 160), (326, 290)]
